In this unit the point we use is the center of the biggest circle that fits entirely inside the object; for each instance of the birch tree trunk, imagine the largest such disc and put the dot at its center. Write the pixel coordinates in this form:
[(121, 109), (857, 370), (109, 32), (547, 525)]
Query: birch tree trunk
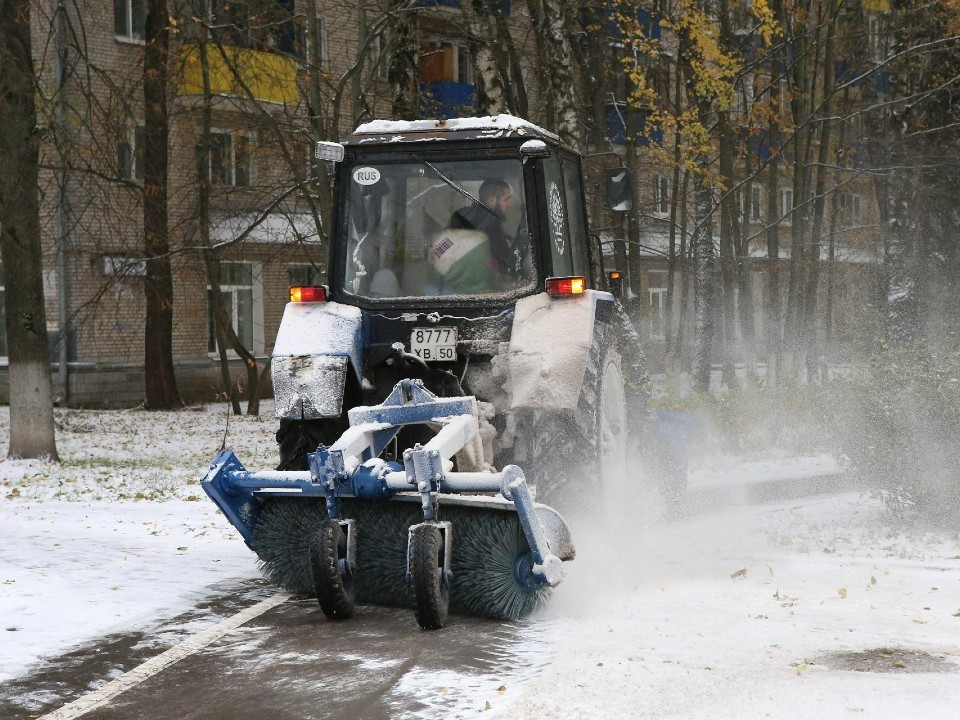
[(481, 31), (31, 391), (558, 64)]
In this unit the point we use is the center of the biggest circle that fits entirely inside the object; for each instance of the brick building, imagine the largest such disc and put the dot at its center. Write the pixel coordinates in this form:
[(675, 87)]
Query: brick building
[(283, 73)]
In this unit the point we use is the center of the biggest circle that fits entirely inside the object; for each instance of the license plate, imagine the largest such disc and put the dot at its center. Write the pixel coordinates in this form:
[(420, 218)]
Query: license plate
[(437, 344)]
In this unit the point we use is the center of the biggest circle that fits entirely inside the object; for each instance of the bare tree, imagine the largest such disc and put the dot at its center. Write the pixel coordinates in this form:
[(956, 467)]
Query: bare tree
[(159, 377), (31, 393)]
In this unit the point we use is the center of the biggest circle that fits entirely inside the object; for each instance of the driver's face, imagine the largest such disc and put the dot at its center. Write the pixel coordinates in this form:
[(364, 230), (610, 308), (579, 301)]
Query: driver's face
[(501, 204)]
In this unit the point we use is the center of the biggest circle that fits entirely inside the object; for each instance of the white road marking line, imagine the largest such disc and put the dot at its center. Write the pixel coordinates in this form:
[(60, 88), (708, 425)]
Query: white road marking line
[(151, 667)]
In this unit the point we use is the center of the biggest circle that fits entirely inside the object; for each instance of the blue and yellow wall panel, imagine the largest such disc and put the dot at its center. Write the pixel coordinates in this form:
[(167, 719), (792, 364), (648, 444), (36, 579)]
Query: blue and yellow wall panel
[(268, 76)]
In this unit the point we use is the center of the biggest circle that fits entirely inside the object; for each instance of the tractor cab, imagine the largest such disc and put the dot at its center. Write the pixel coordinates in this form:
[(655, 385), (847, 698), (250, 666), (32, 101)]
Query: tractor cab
[(464, 212)]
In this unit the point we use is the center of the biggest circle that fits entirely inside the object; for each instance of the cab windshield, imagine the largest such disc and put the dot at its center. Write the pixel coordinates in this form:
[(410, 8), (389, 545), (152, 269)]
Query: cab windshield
[(432, 227)]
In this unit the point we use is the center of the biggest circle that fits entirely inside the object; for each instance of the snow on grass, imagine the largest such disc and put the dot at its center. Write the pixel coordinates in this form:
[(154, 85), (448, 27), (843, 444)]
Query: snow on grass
[(119, 534)]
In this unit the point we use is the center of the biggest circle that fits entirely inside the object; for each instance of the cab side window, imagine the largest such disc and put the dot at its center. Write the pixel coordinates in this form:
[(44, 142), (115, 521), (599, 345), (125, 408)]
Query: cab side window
[(575, 221), (558, 222)]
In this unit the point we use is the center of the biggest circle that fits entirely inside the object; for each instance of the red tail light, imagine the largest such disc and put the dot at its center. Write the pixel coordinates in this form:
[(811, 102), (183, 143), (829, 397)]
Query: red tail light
[(562, 286), (315, 293)]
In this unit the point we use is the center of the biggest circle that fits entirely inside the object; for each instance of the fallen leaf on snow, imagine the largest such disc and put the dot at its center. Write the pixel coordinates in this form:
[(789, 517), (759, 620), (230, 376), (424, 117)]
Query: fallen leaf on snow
[(739, 573)]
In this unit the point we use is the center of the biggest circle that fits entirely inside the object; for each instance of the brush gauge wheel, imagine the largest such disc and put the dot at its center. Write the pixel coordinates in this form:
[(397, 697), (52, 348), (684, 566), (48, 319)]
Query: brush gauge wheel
[(430, 588), (332, 576)]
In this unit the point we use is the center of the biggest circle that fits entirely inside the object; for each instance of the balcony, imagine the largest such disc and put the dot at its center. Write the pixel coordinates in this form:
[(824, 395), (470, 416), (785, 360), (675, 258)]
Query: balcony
[(444, 99), (241, 72)]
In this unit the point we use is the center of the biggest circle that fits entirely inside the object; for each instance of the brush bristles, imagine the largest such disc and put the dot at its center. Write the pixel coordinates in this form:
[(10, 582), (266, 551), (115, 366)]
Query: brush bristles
[(487, 546)]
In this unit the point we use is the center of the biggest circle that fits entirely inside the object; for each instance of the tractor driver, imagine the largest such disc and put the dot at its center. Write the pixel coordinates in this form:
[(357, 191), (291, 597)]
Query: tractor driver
[(496, 198)]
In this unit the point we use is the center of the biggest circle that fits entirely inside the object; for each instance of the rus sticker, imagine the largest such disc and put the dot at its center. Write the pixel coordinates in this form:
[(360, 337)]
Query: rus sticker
[(366, 176)]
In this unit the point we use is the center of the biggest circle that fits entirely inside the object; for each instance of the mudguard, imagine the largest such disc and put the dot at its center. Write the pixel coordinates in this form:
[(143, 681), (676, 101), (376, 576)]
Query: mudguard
[(550, 348), (317, 345)]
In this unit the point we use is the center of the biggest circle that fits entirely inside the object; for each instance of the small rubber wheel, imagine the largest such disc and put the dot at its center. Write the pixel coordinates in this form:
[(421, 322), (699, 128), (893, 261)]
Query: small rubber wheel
[(328, 545), (431, 591)]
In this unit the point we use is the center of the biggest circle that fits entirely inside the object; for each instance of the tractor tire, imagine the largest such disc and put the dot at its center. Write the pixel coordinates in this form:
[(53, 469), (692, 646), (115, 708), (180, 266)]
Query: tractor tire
[(334, 588), (296, 438), (430, 589), (578, 459)]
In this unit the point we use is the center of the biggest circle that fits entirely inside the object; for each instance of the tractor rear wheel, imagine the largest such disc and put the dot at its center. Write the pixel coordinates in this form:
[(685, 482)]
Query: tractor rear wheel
[(332, 576), (296, 438), (430, 588), (579, 457)]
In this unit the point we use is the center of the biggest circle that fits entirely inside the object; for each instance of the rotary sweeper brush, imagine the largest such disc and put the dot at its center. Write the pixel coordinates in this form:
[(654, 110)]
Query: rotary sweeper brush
[(356, 528)]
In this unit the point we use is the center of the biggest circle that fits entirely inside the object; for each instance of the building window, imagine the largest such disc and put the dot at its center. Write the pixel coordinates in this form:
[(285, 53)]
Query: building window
[(445, 62), (756, 203), (130, 154), (241, 288), (786, 205), (230, 159), (130, 19), (3, 316), (270, 27), (657, 298), (317, 37), (305, 275), (661, 195), (850, 206), (751, 203), (376, 60), (744, 96)]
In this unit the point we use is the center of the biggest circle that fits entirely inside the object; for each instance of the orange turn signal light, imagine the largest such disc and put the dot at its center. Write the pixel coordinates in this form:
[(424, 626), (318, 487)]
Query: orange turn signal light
[(314, 293), (563, 286)]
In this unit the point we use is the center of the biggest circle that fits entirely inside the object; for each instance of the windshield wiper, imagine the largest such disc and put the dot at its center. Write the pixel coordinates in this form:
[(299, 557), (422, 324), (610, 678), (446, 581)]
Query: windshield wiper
[(455, 186)]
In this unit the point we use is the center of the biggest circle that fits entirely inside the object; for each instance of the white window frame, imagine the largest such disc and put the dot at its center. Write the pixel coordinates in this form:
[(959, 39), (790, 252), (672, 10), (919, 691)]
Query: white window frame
[(657, 303), (756, 203), (135, 171), (323, 62), (661, 195), (378, 64), (256, 301), (128, 34), (786, 205), (850, 206), (743, 99), (233, 135), (751, 203)]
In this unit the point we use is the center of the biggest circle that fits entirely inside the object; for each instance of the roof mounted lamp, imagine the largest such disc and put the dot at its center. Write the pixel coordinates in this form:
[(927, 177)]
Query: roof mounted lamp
[(329, 151)]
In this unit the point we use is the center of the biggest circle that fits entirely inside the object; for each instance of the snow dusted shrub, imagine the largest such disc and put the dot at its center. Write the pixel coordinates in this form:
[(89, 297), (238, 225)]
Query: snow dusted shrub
[(754, 418), (899, 424)]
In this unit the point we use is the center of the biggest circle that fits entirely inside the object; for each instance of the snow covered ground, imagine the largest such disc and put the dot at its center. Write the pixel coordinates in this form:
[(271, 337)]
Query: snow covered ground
[(765, 610)]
